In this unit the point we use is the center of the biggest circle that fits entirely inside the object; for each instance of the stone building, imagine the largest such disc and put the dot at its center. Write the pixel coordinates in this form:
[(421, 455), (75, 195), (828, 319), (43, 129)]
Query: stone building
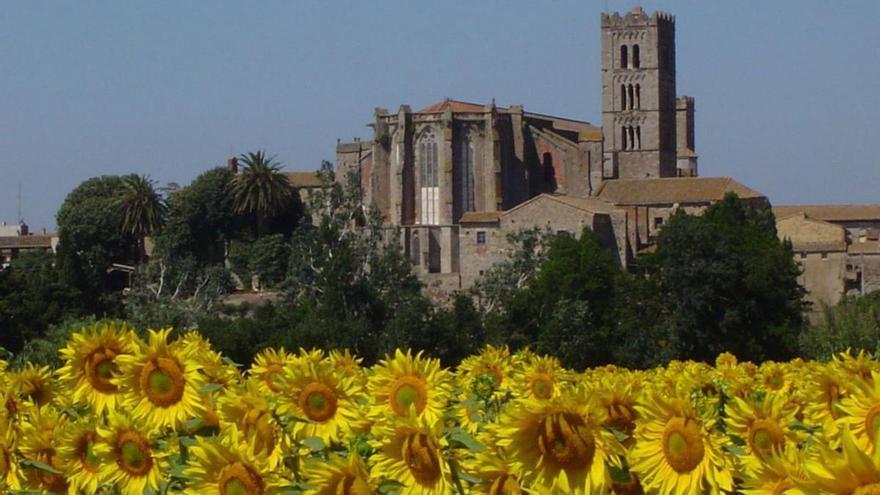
[(456, 177), (18, 239)]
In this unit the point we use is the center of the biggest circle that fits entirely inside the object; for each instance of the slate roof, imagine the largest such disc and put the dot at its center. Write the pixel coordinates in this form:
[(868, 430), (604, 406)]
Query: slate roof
[(831, 213), (672, 190)]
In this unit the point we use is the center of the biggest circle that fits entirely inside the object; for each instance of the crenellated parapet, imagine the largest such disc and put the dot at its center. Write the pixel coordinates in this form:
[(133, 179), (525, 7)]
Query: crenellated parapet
[(637, 17)]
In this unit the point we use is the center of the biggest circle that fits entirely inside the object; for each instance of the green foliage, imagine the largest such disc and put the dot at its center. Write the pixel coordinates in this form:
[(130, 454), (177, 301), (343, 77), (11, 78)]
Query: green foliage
[(33, 296), (730, 283), (260, 189), (43, 350), (854, 323)]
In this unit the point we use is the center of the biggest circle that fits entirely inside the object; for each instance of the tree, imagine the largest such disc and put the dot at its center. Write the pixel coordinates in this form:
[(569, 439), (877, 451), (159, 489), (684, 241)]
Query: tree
[(260, 189), (92, 239), (854, 323), (143, 209), (730, 284)]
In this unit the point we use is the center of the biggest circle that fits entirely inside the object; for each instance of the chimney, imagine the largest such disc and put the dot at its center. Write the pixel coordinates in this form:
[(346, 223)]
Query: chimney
[(232, 164), (22, 229)]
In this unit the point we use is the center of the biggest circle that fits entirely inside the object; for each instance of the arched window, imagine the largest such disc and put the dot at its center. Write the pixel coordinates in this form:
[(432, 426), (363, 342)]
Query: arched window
[(549, 171), (639, 137), (429, 199), (632, 137), (624, 59), (631, 96), (464, 158), (623, 138), (638, 97), (636, 56), (623, 96)]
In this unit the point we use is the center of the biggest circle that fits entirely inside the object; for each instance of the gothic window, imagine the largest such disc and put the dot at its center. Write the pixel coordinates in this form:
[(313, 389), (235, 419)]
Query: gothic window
[(636, 56), (623, 138), (624, 60), (623, 96), (429, 199), (549, 171), (632, 137), (631, 94), (465, 166), (639, 137), (638, 96)]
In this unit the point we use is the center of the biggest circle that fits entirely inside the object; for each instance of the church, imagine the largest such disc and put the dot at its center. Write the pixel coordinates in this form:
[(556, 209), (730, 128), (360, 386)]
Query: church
[(456, 177)]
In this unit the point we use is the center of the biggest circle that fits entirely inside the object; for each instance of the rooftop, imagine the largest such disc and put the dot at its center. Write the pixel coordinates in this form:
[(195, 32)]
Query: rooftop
[(831, 213), (673, 190), (303, 179), (454, 105), (26, 241)]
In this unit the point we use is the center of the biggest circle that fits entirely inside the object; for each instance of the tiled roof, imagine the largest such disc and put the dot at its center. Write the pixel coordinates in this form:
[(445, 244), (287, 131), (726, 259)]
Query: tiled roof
[(831, 213), (480, 217), (455, 105), (672, 190), (303, 179), (26, 241), (867, 247), (585, 204), (818, 246)]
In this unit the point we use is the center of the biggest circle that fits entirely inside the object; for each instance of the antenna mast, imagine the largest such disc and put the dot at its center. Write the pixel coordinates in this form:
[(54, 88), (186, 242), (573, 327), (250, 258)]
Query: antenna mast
[(20, 218)]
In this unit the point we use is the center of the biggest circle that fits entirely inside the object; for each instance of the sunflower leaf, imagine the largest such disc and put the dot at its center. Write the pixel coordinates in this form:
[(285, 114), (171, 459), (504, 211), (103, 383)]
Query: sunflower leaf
[(459, 438), (315, 444), (619, 474), (735, 449), (797, 425), (31, 464), (210, 388)]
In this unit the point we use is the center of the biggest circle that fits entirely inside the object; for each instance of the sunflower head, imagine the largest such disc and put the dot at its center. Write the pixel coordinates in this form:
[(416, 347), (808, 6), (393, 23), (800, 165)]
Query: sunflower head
[(408, 385), (410, 452), (268, 368), (129, 458), (229, 465), (34, 384), (78, 454), (40, 434), (340, 476)]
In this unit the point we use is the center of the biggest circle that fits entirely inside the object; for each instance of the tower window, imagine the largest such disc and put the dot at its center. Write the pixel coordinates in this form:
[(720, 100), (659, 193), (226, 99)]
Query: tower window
[(639, 137), (638, 97), (549, 171), (636, 56), (623, 96), (632, 137), (624, 59), (623, 138), (428, 177), (632, 98)]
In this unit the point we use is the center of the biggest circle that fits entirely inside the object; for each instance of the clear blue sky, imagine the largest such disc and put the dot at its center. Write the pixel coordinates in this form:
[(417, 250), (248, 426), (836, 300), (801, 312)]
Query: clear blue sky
[(786, 92)]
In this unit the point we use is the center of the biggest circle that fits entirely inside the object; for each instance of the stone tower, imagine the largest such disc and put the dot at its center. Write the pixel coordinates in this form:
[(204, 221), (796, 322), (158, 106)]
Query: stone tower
[(638, 95)]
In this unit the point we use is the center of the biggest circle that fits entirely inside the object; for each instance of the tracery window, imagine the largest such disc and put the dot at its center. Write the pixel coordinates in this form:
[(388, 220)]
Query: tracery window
[(429, 194), (465, 166)]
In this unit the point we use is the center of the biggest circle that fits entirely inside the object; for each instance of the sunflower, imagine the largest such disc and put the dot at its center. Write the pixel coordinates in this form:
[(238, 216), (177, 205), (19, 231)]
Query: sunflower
[(161, 381), (268, 367), (34, 384), (217, 370), (675, 451), (861, 411), (405, 384), (348, 365), (827, 387), (492, 362), (76, 452), (10, 475), (90, 364), (559, 445), (780, 472), (246, 409), (340, 476), (228, 465), (492, 474), (410, 452), (40, 434), (775, 377), (618, 394), (540, 377), (320, 399), (128, 457), (763, 423), (849, 472)]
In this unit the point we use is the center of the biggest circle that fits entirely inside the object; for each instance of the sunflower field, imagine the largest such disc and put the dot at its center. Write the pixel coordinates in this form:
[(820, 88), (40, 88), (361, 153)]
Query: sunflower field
[(129, 416)]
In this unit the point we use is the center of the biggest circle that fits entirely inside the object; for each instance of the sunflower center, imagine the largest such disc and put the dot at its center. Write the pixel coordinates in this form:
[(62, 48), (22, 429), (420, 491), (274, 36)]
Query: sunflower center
[(420, 457), (408, 390), (566, 441), (505, 485), (683, 444), (318, 401), (162, 381), (775, 381), (764, 436), (240, 479), (100, 368), (872, 489), (50, 481), (494, 373), (352, 485), (872, 421), (133, 454), (85, 451), (271, 377), (621, 417), (542, 386)]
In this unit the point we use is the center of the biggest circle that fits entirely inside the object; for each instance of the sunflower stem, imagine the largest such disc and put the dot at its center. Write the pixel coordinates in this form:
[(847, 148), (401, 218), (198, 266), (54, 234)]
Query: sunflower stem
[(453, 467)]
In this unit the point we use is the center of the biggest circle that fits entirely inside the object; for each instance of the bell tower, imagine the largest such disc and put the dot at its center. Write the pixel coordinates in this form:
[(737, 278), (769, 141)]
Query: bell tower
[(638, 95)]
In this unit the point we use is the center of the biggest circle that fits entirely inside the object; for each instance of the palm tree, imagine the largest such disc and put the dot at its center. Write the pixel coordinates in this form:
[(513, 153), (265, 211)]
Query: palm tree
[(143, 209), (260, 189)]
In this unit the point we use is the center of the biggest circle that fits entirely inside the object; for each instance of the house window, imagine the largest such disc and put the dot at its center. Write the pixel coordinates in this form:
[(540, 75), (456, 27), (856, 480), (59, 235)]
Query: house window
[(824, 256), (429, 199), (481, 237), (658, 222)]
